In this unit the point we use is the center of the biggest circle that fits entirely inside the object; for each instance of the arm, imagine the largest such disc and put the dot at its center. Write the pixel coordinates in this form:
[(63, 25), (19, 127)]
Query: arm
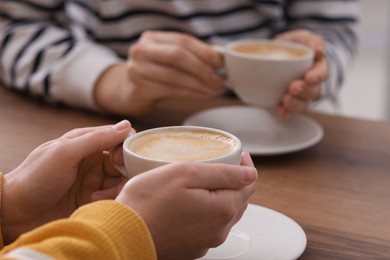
[(40, 57), (101, 230)]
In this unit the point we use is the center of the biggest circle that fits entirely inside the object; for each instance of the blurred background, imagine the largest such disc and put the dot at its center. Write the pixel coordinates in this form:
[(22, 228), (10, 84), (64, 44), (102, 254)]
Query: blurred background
[(366, 91)]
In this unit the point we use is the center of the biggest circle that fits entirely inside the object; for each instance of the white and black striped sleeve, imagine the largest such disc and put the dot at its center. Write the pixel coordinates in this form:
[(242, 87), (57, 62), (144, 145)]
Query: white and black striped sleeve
[(336, 21), (43, 59)]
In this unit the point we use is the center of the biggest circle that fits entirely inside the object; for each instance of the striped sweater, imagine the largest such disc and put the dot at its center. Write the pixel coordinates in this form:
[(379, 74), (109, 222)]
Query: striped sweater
[(55, 50)]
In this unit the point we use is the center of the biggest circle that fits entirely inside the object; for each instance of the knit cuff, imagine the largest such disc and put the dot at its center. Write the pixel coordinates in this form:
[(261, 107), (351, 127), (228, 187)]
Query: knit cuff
[(74, 83), (124, 226)]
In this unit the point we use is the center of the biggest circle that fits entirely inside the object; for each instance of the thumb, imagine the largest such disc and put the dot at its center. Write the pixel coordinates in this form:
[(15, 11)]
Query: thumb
[(99, 139)]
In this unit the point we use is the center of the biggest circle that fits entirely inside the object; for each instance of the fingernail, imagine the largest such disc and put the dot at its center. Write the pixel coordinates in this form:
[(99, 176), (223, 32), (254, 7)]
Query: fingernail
[(121, 125), (247, 154)]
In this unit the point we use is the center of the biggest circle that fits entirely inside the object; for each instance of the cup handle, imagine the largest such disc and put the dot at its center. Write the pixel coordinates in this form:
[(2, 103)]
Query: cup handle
[(222, 50), (120, 168)]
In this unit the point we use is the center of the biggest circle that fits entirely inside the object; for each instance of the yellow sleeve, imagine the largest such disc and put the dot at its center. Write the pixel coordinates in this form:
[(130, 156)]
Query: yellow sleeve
[(100, 230)]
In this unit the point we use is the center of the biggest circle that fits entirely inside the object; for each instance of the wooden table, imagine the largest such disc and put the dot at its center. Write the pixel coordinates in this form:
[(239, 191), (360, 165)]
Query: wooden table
[(338, 190)]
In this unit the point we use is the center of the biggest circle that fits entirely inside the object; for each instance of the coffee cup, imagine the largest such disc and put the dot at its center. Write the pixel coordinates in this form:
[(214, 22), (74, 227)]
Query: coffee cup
[(155, 147), (259, 71)]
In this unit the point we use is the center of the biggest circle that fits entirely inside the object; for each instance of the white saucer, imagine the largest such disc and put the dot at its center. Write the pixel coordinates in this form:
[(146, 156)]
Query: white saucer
[(259, 130), (261, 233)]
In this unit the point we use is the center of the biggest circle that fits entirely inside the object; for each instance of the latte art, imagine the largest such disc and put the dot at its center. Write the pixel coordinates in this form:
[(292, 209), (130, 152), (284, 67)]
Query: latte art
[(270, 51), (182, 145)]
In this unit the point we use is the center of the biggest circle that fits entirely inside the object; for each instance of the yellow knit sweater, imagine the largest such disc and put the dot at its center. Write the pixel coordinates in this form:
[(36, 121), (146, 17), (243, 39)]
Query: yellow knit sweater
[(99, 230)]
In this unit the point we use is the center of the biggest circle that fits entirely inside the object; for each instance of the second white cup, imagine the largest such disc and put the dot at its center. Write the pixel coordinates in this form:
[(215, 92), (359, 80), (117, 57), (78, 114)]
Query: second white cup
[(260, 71)]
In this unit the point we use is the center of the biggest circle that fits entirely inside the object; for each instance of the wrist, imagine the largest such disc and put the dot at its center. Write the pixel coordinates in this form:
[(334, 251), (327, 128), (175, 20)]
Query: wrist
[(107, 87), (115, 93)]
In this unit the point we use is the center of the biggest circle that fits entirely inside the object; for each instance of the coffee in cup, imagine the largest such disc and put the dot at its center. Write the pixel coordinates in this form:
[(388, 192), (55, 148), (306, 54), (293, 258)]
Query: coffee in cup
[(270, 51), (158, 146), (260, 71)]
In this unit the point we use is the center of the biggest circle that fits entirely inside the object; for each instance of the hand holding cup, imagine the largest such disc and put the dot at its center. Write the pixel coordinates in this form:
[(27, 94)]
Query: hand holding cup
[(260, 71)]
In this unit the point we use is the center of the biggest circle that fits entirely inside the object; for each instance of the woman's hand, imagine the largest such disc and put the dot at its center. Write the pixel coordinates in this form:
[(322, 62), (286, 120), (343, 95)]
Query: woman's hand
[(59, 176), (160, 65), (302, 91), (190, 207)]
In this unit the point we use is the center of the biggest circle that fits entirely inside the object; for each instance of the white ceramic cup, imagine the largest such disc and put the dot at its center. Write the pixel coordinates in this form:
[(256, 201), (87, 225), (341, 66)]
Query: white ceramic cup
[(262, 79), (155, 147)]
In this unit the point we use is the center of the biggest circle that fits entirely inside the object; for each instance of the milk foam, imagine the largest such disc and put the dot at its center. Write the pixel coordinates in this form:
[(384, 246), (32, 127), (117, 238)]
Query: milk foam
[(269, 51), (277, 55), (181, 145)]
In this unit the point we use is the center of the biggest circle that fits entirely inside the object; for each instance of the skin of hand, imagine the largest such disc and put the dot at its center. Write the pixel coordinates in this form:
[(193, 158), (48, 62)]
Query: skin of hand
[(160, 65), (302, 91), (60, 176), (190, 207)]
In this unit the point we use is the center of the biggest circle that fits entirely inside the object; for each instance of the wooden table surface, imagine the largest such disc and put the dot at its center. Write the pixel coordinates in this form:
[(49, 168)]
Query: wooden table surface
[(338, 190)]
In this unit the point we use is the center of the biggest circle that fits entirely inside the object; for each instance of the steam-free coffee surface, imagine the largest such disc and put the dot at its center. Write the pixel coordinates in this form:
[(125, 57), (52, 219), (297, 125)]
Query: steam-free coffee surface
[(182, 145), (269, 51)]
